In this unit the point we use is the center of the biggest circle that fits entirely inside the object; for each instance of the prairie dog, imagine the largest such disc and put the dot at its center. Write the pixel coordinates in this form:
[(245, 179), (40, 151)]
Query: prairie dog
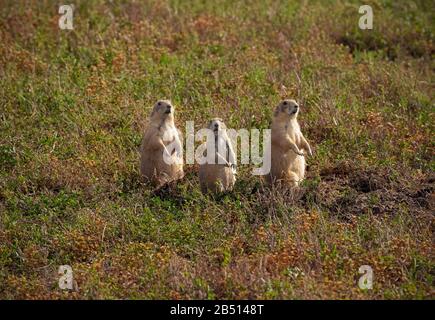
[(161, 149), (220, 175), (287, 143)]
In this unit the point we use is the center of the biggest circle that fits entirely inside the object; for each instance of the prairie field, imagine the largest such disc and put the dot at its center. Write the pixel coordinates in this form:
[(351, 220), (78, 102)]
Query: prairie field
[(74, 104)]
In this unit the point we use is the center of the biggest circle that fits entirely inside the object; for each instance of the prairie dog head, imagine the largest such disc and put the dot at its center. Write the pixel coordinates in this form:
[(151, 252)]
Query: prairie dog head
[(216, 125), (286, 109), (163, 110)]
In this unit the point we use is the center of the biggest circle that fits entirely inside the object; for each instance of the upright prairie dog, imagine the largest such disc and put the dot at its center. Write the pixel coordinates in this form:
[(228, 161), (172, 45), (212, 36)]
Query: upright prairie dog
[(219, 175), (287, 159), (161, 149)]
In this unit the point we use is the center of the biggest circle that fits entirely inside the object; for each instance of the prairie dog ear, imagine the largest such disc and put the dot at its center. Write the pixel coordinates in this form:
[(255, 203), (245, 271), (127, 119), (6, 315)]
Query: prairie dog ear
[(153, 111), (277, 110), (158, 105)]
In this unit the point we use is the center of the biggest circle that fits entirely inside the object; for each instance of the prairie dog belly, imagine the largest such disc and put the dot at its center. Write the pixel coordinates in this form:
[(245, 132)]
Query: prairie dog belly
[(169, 133), (284, 166), (216, 177), (297, 166)]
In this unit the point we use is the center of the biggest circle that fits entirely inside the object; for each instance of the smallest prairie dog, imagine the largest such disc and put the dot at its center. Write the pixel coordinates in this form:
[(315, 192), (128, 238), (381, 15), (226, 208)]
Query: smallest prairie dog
[(218, 173), (161, 149), (287, 159)]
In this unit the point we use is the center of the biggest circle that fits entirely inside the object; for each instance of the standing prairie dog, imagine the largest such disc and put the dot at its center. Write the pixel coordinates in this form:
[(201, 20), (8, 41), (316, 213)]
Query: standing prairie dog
[(219, 175), (161, 149), (287, 159)]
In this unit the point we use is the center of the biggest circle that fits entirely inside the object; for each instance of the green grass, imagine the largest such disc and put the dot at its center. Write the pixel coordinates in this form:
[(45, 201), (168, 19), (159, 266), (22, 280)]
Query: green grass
[(73, 105)]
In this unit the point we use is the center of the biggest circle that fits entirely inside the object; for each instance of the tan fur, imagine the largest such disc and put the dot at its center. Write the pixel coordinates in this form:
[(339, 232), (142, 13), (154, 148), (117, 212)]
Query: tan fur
[(216, 177), (159, 135), (287, 158)]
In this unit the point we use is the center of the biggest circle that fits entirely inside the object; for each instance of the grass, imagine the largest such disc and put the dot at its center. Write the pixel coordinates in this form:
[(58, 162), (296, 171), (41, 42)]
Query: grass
[(73, 105)]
